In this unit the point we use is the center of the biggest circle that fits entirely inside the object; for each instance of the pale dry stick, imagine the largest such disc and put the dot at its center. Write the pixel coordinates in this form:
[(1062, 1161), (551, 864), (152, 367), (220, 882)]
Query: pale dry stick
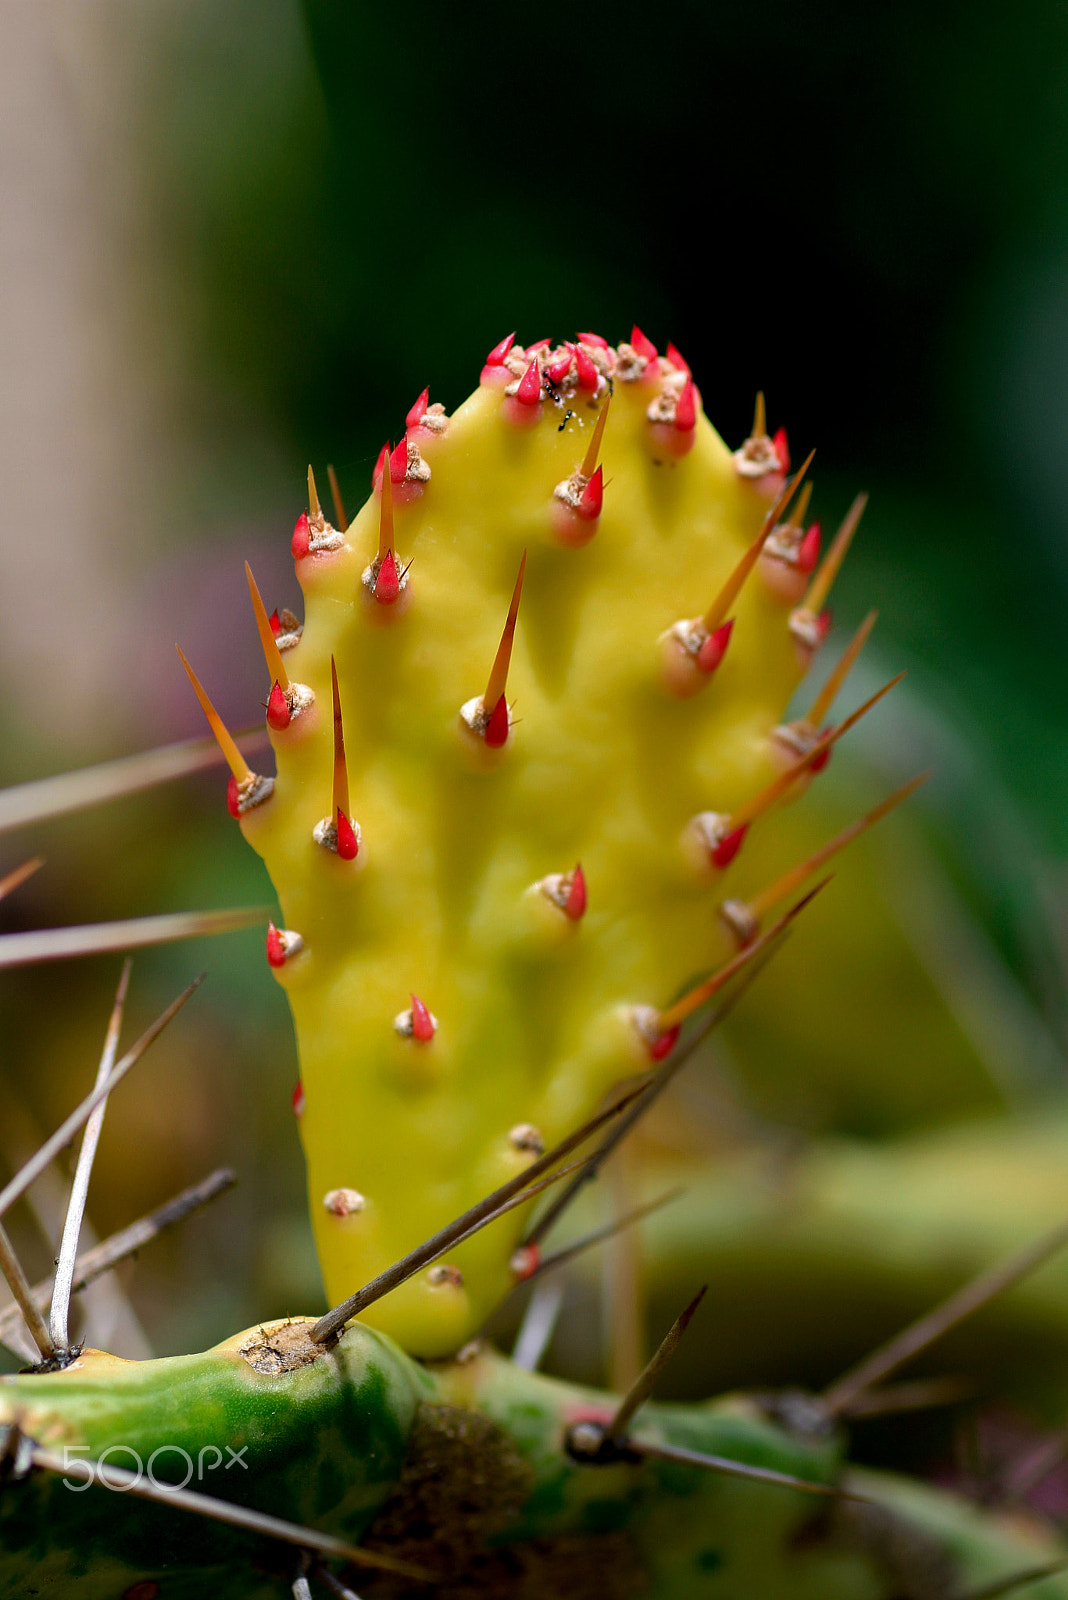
[(98, 938), (43, 798), (925, 1394), (111, 1251), (538, 1326), (335, 1585), (462, 1227), (59, 1313), (114, 1477), (640, 1390), (66, 1131), (18, 1283), (927, 1329)]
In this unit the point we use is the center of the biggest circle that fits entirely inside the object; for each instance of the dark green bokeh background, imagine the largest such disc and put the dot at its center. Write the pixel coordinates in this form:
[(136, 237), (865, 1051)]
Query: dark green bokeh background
[(863, 211)]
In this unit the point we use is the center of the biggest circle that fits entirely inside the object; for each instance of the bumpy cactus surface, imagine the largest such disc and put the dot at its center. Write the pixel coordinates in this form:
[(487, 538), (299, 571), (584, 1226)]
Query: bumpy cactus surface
[(558, 697)]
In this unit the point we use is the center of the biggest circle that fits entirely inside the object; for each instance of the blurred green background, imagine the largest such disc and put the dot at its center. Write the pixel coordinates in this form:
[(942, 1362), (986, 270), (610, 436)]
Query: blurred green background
[(242, 237)]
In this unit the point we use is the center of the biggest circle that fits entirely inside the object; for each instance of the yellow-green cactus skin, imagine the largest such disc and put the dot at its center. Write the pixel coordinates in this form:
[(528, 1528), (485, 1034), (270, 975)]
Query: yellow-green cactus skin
[(489, 900)]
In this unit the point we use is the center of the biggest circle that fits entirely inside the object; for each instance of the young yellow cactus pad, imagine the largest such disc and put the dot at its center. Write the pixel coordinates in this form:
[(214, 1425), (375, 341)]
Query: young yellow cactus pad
[(531, 716)]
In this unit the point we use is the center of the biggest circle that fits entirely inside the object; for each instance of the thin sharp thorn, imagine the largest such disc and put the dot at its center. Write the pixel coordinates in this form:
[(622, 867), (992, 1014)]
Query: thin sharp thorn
[(760, 426), (820, 587), (498, 677), (735, 1469), (778, 786), (919, 1335), (339, 505), (102, 1257), (924, 1395), (315, 510), (66, 1131), (609, 1231), (762, 903), (717, 612), (796, 518), (446, 1237), (339, 1590), (98, 938), (59, 1312), (275, 667), (234, 759), (674, 1015), (644, 1099), (1013, 1583), (589, 462), (642, 1388), (385, 516), (19, 1285), (111, 1476), (110, 780), (829, 693), (341, 775), (18, 875)]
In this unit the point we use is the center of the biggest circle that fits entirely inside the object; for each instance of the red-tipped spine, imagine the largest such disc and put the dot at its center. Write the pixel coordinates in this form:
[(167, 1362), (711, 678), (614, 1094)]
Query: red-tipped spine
[(588, 376), (686, 408), (348, 845), (808, 551), (663, 1044), (575, 904), (499, 353), (558, 370), (723, 853), (714, 648), (592, 498), (641, 345), (418, 410), (301, 540), (496, 733), (297, 1099), (387, 583), (398, 461), (422, 1021), (233, 798), (677, 360), (529, 390), (279, 715), (276, 947), (782, 449)]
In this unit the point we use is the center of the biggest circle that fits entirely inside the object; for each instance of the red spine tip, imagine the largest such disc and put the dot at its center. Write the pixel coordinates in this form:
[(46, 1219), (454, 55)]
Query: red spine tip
[(276, 949), (559, 370), (497, 727), (301, 537), (276, 622), (587, 371), (298, 1099), (592, 497), (418, 411), (422, 1021), (539, 344), (279, 715), (496, 357), (663, 1044), (387, 583), (823, 624), (529, 391), (728, 847), (808, 551), (594, 339), (347, 843), (678, 361), (525, 1261), (380, 466), (714, 648), (686, 408), (643, 346), (575, 904), (818, 762), (398, 462), (782, 449), (232, 798)]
